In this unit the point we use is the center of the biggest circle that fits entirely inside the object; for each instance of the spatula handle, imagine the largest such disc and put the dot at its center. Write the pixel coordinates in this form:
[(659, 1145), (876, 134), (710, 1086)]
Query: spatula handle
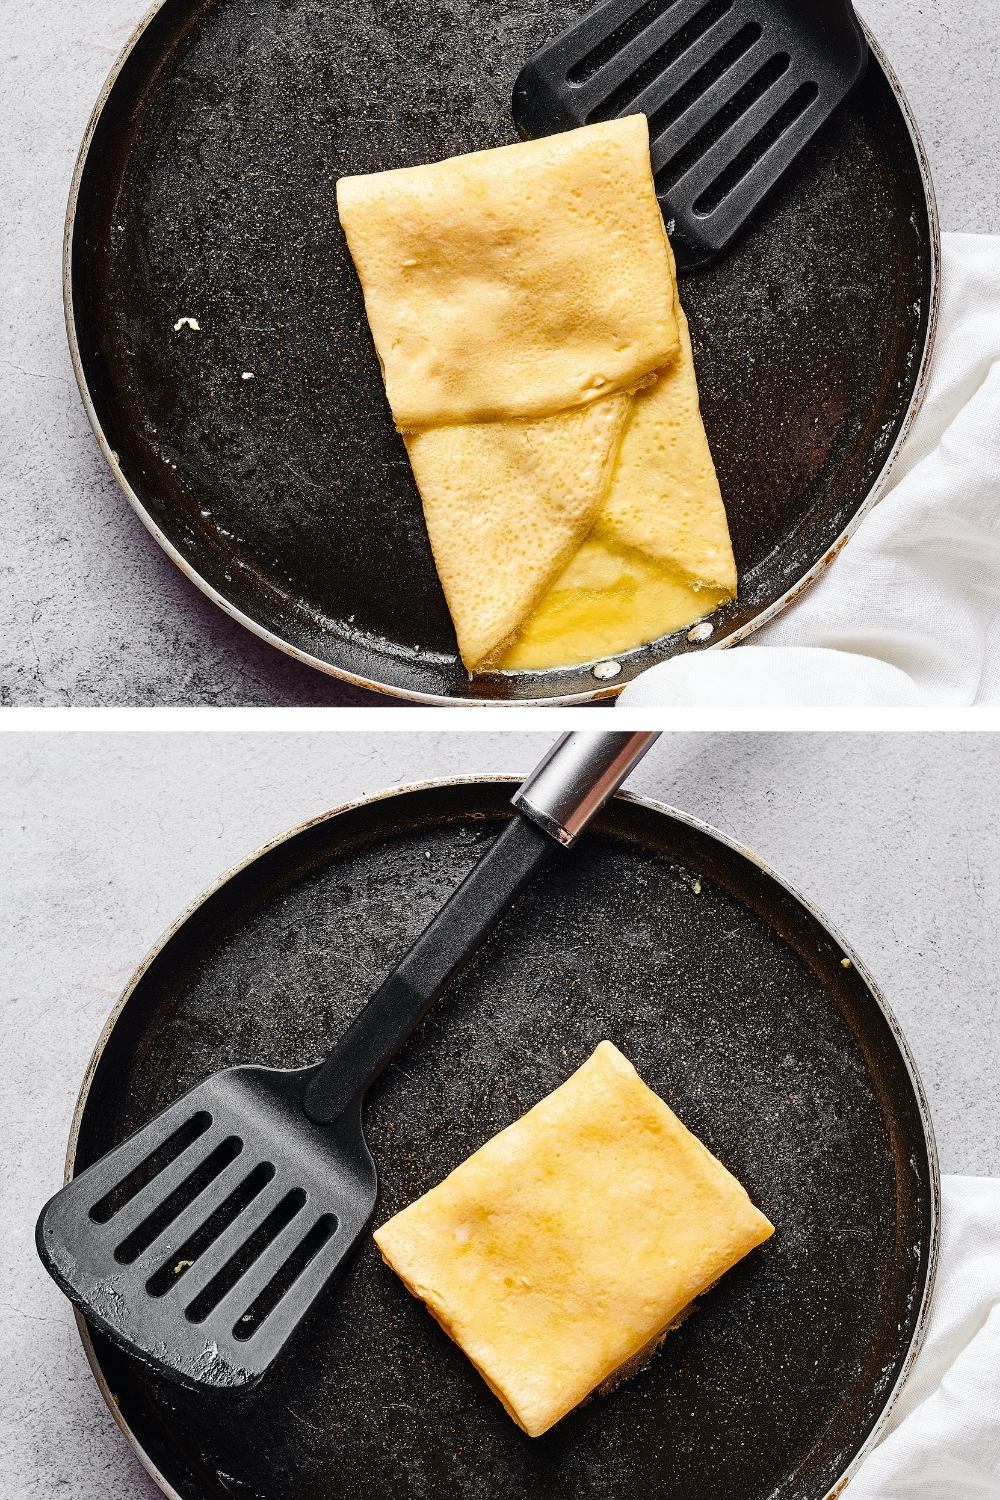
[(556, 803)]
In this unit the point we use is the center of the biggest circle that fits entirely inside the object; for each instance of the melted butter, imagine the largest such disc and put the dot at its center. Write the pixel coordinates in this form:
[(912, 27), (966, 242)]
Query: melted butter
[(608, 600)]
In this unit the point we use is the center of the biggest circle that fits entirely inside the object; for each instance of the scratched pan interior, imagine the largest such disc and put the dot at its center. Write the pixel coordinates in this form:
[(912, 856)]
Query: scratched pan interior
[(729, 996), (208, 192)]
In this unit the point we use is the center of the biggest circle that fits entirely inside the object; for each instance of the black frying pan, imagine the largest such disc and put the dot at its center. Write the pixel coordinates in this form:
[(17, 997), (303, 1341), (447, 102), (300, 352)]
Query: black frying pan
[(730, 995), (205, 189)]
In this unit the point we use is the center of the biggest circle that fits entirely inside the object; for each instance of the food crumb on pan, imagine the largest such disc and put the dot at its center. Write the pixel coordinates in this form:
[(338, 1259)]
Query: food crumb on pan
[(191, 323)]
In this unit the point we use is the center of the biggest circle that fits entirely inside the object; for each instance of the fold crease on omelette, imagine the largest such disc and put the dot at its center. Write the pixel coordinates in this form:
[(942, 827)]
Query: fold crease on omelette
[(659, 555), (664, 498), (524, 308), (518, 496), (559, 1253)]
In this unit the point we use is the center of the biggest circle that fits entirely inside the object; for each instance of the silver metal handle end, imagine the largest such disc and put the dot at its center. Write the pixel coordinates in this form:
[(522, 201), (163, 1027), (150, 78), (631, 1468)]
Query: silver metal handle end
[(581, 771)]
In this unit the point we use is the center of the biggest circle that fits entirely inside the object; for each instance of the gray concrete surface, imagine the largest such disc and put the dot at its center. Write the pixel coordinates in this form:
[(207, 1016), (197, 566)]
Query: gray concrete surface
[(91, 612), (108, 837)]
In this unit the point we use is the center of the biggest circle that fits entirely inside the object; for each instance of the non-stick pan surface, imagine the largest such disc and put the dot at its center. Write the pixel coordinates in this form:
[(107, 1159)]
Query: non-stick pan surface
[(206, 190), (730, 996)]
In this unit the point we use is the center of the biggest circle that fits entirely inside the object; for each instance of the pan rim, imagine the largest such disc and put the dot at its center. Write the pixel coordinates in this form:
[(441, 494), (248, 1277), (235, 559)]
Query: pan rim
[(661, 809), (441, 699)]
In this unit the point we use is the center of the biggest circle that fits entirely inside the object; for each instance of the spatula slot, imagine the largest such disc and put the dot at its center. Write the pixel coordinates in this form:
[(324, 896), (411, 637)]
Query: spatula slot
[(283, 1280), (722, 121), (156, 1162), (782, 120), (672, 50), (181, 1198), (689, 93), (605, 50), (250, 1251), (206, 1234)]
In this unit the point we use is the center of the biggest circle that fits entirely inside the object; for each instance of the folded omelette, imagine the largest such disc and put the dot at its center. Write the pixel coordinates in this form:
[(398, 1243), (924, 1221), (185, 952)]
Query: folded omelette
[(523, 304), (559, 1254)]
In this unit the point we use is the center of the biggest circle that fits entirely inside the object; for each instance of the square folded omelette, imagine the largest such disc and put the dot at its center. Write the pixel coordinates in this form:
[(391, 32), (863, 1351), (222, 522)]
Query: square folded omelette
[(566, 1246)]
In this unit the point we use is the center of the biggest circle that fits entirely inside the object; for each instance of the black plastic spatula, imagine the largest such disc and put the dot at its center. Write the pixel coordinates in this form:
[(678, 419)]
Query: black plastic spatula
[(202, 1241), (733, 91)]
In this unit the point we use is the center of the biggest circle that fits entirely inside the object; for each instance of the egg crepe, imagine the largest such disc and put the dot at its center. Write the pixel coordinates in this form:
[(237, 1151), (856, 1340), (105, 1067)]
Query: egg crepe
[(517, 282), (567, 1245), (519, 300)]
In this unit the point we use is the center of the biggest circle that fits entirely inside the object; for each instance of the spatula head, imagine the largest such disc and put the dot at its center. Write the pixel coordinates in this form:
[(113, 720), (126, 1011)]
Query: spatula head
[(733, 91), (202, 1241)]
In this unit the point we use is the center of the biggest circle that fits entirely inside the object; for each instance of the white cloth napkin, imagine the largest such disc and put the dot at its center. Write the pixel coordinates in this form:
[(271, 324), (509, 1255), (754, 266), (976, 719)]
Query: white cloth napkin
[(943, 1438), (909, 613)]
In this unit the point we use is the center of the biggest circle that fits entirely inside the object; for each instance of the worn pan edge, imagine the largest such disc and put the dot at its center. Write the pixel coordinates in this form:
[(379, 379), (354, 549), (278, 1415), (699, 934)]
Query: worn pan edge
[(651, 805), (919, 390), (437, 699)]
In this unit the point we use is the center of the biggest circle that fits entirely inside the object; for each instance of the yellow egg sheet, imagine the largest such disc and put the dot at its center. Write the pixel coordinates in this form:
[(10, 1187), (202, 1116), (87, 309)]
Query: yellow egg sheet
[(507, 504), (517, 282), (524, 305), (560, 1250)]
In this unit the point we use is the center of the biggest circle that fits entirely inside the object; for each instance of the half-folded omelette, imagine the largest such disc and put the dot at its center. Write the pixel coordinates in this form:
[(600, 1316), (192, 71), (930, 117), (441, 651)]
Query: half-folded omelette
[(524, 307)]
